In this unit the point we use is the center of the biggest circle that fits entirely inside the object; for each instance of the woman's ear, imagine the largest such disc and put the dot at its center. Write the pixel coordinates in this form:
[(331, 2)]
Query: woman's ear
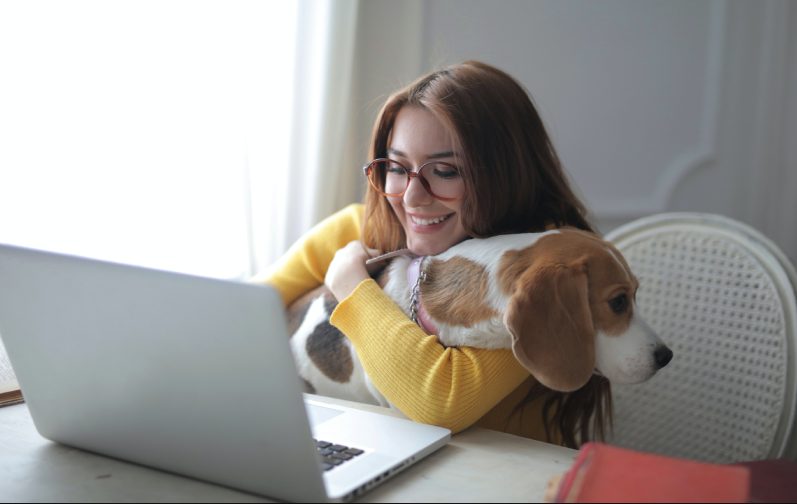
[(551, 326)]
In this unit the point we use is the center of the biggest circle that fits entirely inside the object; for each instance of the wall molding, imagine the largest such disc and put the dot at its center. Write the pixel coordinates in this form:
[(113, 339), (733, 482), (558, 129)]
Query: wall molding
[(771, 182), (702, 154)]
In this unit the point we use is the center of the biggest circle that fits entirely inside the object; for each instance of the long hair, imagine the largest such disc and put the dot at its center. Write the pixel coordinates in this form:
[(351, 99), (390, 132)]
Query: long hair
[(515, 181), (579, 416)]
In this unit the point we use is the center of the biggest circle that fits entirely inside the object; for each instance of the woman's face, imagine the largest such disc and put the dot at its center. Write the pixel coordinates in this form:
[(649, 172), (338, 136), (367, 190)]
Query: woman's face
[(418, 137)]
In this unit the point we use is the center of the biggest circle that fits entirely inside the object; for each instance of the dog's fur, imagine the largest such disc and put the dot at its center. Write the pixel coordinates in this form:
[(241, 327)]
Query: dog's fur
[(547, 296)]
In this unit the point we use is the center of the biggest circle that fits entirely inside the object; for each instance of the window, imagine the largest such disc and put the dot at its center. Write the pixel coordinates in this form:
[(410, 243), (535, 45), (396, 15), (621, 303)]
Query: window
[(126, 127)]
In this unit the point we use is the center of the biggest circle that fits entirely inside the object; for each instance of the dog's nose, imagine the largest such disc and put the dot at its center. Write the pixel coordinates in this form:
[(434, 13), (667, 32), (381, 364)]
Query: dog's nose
[(663, 356)]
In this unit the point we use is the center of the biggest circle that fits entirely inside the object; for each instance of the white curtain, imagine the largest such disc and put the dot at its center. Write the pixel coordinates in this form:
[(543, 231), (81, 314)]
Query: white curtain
[(201, 137), (322, 176), (125, 127)]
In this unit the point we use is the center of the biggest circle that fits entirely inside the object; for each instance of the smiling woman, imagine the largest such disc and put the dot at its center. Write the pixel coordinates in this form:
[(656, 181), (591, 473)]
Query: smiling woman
[(432, 224), (428, 200), (127, 129), (460, 153)]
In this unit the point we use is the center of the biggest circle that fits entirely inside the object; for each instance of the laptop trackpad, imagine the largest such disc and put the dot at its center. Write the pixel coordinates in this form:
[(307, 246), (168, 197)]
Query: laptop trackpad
[(319, 414)]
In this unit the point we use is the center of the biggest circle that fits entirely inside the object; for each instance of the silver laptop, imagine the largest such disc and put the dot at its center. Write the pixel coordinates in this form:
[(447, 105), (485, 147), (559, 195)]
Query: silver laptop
[(186, 374)]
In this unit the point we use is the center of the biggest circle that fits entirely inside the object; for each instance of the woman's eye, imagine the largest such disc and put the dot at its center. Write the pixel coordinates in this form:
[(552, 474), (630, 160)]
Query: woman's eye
[(619, 304), (443, 173)]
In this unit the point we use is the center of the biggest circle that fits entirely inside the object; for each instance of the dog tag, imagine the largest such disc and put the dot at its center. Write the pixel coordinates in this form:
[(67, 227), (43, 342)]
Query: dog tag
[(388, 256)]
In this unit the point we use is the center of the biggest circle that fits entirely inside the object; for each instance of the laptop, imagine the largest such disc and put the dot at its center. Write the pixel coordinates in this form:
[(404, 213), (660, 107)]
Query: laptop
[(188, 375)]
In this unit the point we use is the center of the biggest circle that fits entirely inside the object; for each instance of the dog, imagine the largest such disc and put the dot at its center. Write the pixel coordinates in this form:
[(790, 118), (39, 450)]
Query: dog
[(562, 300)]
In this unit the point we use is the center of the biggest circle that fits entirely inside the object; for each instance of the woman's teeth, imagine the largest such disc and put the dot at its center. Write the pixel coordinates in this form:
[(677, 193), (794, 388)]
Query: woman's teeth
[(425, 222)]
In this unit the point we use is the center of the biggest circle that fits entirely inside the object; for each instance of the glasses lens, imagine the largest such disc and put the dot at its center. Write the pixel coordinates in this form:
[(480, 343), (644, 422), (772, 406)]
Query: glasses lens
[(444, 180), (388, 177)]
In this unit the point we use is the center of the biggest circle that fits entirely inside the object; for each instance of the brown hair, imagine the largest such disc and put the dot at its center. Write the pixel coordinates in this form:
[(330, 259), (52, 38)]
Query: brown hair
[(572, 411), (515, 181)]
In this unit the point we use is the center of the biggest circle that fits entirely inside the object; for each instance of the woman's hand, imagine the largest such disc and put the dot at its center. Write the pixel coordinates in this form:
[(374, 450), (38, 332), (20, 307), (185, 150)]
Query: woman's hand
[(348, 269)]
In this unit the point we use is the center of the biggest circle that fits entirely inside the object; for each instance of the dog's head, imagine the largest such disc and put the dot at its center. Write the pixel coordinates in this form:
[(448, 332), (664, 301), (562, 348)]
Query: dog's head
[(573, 313)]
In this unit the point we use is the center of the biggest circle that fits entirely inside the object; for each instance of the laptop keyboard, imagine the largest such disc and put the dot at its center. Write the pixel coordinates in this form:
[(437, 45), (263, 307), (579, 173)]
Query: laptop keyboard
[(333, 455)]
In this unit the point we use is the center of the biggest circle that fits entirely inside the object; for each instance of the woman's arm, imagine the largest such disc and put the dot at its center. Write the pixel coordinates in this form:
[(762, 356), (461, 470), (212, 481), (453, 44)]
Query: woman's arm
[(305, 264), (449, 387)]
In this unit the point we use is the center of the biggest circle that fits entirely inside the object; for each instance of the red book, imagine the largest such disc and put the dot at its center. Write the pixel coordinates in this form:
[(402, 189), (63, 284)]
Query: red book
[(603, 473), (772, 480)]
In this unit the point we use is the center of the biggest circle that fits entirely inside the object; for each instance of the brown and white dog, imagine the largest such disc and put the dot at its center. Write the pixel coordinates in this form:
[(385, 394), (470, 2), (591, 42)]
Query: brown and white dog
[(562, 300)]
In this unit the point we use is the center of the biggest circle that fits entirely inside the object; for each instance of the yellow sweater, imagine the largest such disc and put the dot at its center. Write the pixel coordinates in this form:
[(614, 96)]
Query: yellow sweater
[(450, 387)]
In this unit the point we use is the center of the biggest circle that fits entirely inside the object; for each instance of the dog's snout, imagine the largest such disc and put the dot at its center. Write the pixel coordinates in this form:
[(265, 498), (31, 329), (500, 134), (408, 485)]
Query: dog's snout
[(663, 356)]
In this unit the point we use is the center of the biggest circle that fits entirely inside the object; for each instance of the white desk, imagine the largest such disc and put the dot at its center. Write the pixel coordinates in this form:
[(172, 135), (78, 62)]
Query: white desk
[(478, 465)]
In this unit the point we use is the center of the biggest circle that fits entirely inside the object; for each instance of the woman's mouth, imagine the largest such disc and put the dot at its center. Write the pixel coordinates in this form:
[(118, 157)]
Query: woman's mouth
[(420, 225), (427, 222)]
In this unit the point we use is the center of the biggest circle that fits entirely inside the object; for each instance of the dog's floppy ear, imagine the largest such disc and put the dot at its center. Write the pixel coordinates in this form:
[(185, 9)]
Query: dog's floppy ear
[(551, 326)]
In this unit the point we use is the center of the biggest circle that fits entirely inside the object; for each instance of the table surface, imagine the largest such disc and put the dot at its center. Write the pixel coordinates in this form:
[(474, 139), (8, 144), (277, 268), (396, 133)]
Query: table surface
[(478, 465)]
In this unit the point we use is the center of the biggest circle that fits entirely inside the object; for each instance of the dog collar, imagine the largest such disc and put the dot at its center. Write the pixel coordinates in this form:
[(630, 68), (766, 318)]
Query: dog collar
[(417, 311)]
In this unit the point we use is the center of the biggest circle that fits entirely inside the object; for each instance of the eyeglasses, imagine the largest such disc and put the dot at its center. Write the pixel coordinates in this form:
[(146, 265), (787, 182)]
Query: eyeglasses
[(391, 178)]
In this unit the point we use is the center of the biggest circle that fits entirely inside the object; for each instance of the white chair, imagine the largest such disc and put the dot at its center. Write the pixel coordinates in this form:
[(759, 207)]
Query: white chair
[(722, 296)]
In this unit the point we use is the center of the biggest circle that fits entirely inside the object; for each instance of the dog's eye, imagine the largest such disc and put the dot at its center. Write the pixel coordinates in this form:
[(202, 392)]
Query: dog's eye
[(619, 304)]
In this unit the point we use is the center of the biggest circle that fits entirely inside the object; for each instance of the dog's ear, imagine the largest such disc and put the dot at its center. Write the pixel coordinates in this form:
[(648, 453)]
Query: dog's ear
[(551, 326)]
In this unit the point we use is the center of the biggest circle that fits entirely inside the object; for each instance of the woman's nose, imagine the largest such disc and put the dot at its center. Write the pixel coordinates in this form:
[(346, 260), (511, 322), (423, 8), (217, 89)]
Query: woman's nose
[(416, 195)]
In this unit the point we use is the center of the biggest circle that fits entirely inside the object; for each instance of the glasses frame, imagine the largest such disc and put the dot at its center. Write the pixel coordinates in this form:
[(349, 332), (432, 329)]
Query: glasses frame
[(367, 169)]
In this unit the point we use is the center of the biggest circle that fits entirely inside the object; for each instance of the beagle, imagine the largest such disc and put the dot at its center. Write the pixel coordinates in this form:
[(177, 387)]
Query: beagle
[(562, 300)]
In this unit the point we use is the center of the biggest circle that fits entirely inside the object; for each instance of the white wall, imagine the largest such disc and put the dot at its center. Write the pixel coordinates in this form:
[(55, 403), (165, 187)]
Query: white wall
[(674, 105)]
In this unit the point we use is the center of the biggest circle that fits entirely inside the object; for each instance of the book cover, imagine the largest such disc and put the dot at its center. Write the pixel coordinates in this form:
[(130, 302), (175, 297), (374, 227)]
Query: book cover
[(773, 480), (603, 473), (9, 386)]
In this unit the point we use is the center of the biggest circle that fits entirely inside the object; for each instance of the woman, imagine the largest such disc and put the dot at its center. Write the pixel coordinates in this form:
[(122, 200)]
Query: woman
[(489, 168)]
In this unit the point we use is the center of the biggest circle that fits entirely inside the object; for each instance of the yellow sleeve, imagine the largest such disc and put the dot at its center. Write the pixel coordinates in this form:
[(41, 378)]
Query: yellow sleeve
[(448, 387), (304, 266), (451, 387)]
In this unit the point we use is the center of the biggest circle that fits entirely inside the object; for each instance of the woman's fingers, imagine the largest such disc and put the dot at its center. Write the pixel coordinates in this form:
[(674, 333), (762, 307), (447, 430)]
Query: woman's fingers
[(346, 270)]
